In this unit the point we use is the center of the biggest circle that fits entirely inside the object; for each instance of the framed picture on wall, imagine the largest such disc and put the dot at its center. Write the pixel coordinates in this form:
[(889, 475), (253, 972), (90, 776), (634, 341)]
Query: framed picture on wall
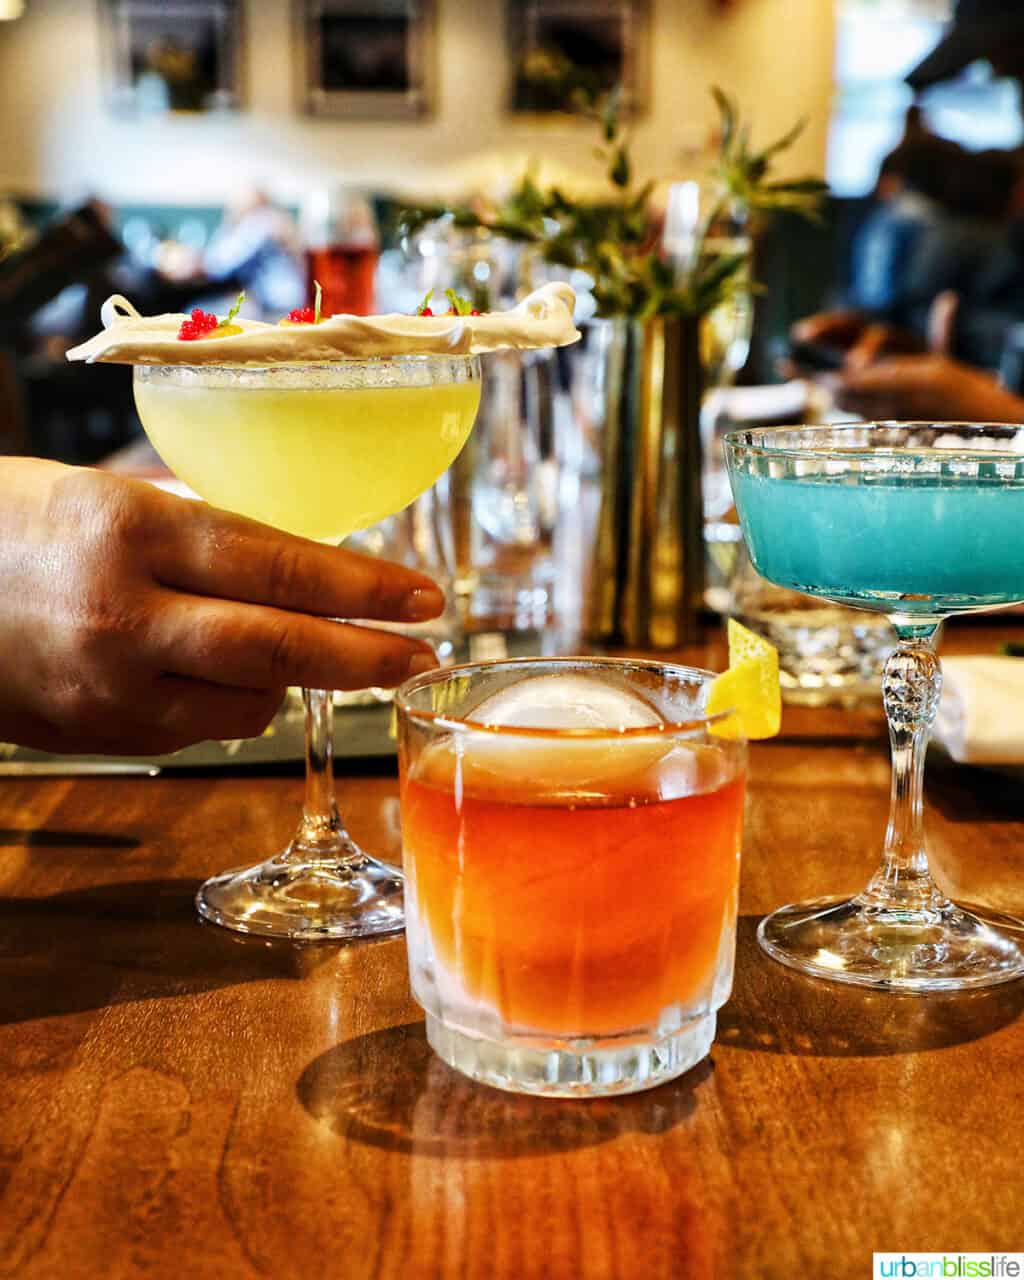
[(565, 54), (172, 55), (367, 59)]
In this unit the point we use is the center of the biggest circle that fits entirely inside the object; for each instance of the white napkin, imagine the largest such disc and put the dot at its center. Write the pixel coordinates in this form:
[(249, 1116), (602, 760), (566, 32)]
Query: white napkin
[(981, 715), (758, 404)]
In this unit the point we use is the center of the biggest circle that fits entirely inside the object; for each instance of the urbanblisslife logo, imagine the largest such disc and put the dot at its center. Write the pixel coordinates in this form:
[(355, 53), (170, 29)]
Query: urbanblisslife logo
[(948, 1266)]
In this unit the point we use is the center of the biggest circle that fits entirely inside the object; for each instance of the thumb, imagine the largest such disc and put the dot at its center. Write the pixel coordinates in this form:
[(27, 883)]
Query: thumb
[(942, 322)]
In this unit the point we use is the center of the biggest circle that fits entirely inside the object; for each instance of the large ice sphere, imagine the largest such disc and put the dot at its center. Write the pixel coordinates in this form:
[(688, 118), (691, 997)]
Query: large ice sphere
[(573, 701), (607, 765)]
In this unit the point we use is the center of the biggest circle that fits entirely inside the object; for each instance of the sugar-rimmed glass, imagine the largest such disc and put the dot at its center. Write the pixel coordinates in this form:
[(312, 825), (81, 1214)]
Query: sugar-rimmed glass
[(320, 450), (571, 831), (919, 521)]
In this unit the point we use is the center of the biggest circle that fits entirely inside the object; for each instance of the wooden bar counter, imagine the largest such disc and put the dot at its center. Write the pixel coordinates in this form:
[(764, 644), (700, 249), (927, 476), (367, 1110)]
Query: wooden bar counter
[(179, 1102)]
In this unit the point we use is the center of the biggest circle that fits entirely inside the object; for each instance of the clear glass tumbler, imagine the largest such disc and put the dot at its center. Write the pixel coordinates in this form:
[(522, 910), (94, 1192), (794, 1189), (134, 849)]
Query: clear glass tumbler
[(508, 490), (571, 830)]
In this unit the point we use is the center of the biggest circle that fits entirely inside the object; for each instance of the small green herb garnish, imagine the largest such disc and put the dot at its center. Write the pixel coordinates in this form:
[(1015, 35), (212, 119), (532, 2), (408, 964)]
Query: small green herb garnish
[(461, 306), (235, 309), (424, 308)]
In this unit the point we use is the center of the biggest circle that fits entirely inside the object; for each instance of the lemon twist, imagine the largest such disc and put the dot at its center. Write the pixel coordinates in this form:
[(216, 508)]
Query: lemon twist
[(749, 690)]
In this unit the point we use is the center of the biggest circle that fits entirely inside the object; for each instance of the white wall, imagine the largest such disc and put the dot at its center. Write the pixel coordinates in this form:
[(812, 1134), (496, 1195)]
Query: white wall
[(58, 139)]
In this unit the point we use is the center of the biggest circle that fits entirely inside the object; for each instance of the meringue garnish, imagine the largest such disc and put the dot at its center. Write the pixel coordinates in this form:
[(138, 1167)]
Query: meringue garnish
[(542, 319)]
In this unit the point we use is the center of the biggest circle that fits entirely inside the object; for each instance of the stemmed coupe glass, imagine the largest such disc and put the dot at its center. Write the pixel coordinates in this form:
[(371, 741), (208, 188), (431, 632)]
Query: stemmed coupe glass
[(920, 521), (321, 450)]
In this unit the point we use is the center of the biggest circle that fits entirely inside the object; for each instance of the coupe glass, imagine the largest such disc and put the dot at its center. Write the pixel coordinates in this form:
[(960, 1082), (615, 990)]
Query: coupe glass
[(919, 521), (320, 450), (571, 831)]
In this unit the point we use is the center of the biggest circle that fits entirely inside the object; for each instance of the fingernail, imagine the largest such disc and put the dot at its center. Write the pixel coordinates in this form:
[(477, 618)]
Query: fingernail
[(424, 602), (420, 662)]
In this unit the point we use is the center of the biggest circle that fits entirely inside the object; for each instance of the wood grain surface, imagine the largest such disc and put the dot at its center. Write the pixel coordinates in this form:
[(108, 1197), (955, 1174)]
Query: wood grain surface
[(178, 1102)]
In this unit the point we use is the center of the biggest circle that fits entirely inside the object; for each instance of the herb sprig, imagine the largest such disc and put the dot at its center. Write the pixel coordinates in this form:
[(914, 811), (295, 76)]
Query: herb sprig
[(235, 308), (458, 306)]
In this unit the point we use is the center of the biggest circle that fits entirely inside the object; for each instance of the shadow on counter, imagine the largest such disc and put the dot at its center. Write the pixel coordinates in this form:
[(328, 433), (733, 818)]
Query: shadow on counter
[(88, 949), (777, 1010), (388, 1089)]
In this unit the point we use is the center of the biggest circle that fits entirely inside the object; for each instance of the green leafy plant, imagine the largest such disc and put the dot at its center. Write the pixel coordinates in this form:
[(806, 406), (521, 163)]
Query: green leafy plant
[(743, 174), (613, 239), (14, 234)]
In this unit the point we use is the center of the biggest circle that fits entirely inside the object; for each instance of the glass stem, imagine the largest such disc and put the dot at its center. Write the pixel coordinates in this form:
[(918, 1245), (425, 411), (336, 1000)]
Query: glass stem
[(911, 685), (321, 833)]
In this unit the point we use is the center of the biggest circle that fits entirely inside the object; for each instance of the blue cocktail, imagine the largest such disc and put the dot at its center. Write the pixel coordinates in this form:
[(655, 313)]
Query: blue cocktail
[(882, 540), (918, 521)]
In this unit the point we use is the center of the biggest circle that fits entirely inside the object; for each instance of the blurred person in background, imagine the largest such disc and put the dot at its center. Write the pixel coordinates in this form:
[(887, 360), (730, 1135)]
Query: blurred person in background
[(939, 215), (53, 282), (257, 245), (939, 269)]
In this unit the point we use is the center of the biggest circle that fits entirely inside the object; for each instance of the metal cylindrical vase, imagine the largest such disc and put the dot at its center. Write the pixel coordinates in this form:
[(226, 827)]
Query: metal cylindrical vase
[(647, 561)]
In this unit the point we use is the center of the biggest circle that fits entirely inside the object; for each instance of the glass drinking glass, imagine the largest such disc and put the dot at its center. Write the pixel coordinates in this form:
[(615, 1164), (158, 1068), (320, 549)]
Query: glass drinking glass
[(918, 521), (571, 830), (419, 537), (319, 450), (507, 492)]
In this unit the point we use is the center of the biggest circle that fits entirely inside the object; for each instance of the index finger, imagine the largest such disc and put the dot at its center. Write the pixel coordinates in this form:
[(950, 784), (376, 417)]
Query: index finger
[(867, 348), (839, 327), (215, 553)]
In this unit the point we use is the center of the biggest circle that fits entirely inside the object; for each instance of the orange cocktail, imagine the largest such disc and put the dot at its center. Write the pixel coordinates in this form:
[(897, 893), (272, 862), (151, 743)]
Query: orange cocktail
[(573, 885), (521, 884)]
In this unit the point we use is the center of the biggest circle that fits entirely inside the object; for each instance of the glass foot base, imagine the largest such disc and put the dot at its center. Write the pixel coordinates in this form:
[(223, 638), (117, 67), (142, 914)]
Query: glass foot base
[(354, 897), (940, 949), (573, 1073)]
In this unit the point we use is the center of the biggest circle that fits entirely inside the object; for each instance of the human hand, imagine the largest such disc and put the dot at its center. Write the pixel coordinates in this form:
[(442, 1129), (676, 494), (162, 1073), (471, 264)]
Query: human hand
[(132, 621), (855, 338), (926, 388)]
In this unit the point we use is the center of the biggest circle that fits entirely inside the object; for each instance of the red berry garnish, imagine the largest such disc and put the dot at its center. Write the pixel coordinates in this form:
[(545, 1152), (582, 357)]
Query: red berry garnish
[(199, 325), (302, 315), (474, 312), (426, 312)]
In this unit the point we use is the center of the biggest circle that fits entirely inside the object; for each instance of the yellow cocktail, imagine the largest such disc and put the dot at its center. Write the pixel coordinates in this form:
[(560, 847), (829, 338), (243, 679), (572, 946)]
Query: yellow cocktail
[(321, 450), (320, 427), (301, 452)]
